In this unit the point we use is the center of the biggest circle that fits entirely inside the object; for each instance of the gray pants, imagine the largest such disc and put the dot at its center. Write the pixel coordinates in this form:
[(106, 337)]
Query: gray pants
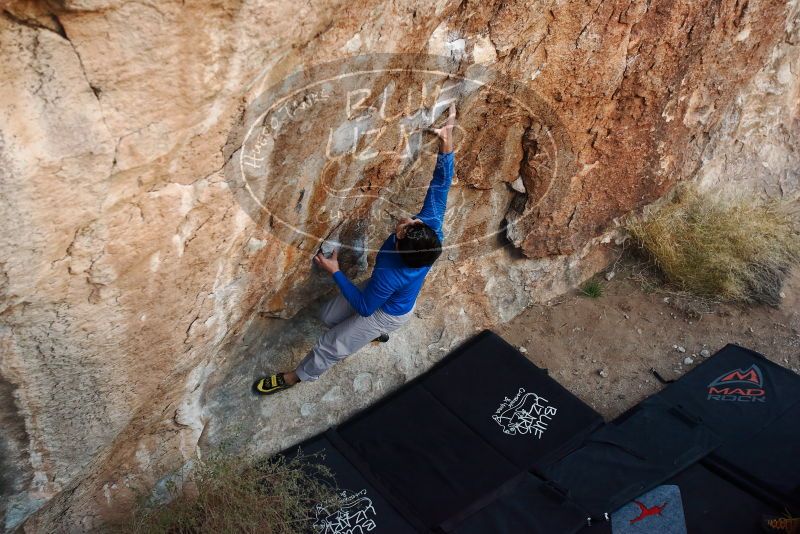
[(349, 332)]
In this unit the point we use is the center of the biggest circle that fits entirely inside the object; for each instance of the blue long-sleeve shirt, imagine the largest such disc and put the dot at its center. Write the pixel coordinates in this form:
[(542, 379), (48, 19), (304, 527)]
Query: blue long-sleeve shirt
[(394, 286)]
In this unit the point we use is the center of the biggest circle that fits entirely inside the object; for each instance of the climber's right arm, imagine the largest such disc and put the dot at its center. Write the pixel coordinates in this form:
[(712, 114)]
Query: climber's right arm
[(435, 204)]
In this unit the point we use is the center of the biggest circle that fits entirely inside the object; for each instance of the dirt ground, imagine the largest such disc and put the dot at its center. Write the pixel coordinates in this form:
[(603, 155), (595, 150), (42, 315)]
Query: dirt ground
[(632, 328)]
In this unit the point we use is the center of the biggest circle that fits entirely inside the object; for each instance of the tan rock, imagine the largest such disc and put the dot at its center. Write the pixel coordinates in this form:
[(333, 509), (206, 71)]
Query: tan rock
[(143, 287)]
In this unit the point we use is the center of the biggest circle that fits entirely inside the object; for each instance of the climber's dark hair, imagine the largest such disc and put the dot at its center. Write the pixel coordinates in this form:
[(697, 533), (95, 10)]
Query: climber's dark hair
[(420, 247)]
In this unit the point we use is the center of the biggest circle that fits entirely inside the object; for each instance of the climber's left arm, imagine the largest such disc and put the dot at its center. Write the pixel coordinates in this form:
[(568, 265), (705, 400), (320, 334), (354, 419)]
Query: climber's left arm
[(380, 287)]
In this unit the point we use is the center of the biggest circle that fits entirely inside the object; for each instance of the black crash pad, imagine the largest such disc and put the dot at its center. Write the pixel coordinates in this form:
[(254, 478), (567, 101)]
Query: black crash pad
[(488, 442), (475, 421), (426, 456), (767, 463), (362, 507), (510, 402), (525, 504), (694, 501), (737, 392), (753, 404), (626, 458)]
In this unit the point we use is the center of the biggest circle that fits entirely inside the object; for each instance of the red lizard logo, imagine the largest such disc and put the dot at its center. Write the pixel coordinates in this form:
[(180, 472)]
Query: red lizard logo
[(647, 512)]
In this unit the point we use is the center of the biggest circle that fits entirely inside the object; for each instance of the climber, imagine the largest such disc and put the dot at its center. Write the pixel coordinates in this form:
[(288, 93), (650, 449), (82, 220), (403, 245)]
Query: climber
[(357, 317)]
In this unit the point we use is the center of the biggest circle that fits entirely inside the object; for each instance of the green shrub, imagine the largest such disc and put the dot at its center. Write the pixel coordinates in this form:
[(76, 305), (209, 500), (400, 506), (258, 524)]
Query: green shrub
[(233, 494), (733, 250), (592, 289)]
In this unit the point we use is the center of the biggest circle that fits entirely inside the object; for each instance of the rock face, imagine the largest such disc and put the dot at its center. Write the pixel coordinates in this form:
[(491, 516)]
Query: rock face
[(158, 226)]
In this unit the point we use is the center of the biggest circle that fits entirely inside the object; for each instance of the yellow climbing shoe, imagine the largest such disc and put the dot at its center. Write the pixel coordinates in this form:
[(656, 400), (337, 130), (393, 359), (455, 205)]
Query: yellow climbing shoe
[(270, 384)]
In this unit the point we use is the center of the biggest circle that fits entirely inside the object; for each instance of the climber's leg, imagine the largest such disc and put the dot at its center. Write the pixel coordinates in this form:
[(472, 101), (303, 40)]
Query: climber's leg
[(336, 310), (346, 338)]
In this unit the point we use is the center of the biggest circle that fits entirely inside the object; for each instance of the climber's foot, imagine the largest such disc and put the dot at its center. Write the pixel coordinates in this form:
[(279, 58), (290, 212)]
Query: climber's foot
[(271, 384), (383, 338)]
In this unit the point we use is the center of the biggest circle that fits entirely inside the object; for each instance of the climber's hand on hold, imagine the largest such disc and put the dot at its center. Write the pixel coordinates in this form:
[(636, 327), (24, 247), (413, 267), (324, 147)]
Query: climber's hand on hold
[(329, 264), (445, 133)]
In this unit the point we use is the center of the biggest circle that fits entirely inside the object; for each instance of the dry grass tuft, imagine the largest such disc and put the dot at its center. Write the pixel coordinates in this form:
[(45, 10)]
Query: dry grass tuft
[(721, 250), (232, 494), (652, 281)]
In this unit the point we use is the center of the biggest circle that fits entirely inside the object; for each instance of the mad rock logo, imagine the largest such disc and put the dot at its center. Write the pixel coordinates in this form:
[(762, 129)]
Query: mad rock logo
[(739, 385), (355, 515), (525, 413)]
